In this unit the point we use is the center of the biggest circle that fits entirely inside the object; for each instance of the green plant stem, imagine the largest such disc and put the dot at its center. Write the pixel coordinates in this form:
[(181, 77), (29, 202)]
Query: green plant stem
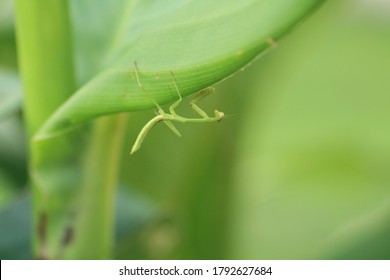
[(46, 64), (94, 230), (45, 57), (46, 61)]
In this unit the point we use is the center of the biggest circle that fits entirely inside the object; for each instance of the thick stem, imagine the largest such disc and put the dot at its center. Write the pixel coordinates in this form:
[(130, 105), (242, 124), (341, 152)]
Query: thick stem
[(94, 229), (45, 57), (46, 63)]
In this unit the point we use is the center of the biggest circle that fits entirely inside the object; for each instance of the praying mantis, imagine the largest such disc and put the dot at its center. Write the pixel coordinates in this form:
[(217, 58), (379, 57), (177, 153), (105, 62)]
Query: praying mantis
[(172, 116)]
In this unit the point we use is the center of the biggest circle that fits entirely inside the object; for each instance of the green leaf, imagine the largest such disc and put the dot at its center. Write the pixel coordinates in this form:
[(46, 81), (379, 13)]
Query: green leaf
[(201, 42)]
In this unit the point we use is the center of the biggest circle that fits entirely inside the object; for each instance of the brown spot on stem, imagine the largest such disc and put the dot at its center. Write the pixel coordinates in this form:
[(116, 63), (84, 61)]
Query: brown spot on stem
[(42, 236), (68, 236)]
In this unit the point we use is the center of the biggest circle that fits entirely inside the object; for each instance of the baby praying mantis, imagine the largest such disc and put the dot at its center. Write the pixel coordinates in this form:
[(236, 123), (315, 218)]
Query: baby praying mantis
[(172, 116)]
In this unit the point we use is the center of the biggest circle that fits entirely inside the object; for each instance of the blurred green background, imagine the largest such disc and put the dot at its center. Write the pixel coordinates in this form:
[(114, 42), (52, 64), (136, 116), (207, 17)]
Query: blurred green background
[(299, 170)]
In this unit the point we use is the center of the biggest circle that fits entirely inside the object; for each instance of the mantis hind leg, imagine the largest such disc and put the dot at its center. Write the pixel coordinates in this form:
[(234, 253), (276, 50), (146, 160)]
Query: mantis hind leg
[(174, 105), (201, 94), (172, 109)]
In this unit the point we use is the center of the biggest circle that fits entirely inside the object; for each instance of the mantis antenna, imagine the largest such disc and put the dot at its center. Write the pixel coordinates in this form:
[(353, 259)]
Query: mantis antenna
[(172, 116)]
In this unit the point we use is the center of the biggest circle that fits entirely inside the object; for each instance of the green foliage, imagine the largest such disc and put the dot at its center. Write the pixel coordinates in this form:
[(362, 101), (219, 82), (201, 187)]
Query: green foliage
[(75, 175), (200, 42), (298, 171)]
